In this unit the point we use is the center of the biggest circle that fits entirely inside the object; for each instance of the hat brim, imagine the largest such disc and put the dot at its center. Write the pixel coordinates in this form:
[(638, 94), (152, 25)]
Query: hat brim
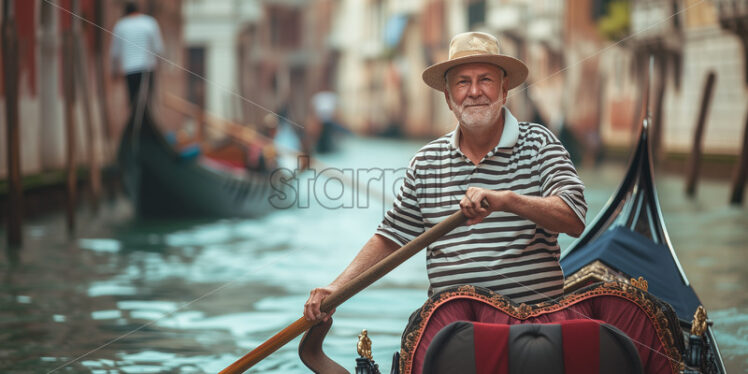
[(516, 71)]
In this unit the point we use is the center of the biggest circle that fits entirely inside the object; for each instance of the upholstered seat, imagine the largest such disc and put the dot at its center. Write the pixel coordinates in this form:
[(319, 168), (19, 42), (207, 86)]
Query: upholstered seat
[(643, 318), (573, 346)]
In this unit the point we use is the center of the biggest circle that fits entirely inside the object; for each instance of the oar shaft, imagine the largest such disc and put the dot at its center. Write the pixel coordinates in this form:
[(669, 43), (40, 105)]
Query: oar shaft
[(357, 284), (392, 261), (269, 346)]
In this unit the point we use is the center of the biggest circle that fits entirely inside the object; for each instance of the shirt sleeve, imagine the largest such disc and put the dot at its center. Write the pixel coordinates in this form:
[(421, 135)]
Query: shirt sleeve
[(403, 222), (559, 177)]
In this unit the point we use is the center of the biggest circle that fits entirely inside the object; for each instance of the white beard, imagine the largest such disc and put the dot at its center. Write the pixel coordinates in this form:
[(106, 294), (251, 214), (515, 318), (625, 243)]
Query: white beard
[(477, 117)]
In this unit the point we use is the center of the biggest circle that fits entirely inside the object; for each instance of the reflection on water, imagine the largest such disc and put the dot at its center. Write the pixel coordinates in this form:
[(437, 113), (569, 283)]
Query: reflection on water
[(193, 296)]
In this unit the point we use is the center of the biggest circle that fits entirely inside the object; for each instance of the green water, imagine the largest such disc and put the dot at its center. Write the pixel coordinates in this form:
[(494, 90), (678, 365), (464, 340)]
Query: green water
[(193, 296)]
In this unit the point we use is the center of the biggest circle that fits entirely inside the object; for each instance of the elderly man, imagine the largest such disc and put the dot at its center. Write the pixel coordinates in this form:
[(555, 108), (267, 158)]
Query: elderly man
[(522, 172)]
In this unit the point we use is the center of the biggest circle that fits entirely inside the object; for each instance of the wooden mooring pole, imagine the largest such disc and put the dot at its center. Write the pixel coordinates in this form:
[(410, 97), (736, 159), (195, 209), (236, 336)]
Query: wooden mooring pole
[(68, 82), (694, 160), (80, 67), (10, 76), (101, 77), (738, 180), (733, 17), (658, 119)]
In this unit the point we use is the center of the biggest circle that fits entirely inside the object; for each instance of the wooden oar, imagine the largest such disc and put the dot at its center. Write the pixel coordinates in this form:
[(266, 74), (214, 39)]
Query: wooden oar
[(338, 297)]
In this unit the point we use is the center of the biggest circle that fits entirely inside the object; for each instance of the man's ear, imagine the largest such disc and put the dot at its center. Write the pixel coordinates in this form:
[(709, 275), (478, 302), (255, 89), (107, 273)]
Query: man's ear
[(446, 97)]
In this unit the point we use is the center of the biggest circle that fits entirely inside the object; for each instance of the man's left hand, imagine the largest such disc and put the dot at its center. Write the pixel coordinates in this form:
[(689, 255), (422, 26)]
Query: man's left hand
[(478, 203)]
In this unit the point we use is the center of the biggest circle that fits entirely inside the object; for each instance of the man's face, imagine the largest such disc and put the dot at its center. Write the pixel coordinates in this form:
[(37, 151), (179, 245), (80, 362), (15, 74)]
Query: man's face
[(475, 93)]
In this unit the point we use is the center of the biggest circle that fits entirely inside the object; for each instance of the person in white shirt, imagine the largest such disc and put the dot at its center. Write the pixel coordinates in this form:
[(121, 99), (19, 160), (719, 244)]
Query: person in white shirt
[(135, 49)]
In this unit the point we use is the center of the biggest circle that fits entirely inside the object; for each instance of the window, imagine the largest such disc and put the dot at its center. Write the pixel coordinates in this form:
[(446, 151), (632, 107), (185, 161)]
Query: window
[(285, 27), (196, 85)]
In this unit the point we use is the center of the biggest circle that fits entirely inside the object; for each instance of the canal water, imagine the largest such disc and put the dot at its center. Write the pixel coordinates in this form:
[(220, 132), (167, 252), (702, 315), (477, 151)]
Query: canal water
[(192, 296)]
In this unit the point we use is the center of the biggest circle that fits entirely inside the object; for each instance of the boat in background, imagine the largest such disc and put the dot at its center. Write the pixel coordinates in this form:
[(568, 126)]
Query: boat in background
[(165, 182)]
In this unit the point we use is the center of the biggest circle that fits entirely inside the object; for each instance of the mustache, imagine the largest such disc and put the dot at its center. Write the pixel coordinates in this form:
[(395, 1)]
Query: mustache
[(480, 101)]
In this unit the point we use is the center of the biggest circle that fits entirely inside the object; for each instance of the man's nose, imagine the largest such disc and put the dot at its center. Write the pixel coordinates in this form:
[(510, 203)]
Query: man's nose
[(474, 90)]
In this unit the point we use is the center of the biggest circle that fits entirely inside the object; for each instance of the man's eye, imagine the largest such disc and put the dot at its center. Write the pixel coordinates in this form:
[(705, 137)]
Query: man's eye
[(486, 80)]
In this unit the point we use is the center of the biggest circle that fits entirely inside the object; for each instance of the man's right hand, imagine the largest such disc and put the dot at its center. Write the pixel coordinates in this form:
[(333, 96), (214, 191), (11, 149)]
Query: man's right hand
[(311, 308), (377, 248)]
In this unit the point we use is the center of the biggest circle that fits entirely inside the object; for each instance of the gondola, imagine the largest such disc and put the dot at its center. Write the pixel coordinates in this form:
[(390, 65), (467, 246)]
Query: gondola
[(629, 240), (164, 182), (623, 282)]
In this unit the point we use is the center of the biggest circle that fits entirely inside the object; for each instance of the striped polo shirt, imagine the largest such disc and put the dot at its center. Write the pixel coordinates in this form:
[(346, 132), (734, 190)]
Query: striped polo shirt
[(506, 253), (136, 44)]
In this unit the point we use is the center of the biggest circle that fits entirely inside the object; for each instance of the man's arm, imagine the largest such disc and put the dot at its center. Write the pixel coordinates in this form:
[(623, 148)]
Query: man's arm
[(550, 212), (400, 224), (377, 248)]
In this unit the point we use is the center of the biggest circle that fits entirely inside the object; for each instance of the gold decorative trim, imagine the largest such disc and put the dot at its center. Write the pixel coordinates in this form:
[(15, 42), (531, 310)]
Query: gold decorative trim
[(363, 347), (643, 300), (640, 283), (593, 273), (698, 326)]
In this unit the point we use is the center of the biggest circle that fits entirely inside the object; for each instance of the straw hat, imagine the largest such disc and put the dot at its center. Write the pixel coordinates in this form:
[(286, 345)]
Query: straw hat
[(470, 47)]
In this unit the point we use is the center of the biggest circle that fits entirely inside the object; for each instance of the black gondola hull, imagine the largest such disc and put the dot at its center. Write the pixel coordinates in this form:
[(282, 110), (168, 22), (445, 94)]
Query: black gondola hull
[(163, 183)]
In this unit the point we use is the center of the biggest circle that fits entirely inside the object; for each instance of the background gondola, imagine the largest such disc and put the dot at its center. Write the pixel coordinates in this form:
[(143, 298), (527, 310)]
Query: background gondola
[(164, 182)]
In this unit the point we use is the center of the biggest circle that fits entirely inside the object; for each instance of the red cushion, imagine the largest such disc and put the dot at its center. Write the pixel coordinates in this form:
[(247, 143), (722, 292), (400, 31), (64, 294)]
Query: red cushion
[(616, 311), (491, 345), (581, 346)]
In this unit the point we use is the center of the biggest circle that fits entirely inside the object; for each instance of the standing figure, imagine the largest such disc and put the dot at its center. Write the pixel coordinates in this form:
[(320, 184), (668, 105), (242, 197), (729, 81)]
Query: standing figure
[(136, 46)]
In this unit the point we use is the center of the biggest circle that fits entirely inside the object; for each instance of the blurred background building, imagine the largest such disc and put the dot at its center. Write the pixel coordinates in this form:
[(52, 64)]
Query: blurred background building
[(587, 63), (240, 60)]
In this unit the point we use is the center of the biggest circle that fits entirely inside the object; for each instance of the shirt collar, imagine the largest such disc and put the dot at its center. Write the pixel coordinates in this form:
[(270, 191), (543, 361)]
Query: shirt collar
[(509, 134)]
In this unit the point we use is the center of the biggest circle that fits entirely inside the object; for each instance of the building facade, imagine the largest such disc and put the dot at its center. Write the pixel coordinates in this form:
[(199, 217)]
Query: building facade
[(587, 60)]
